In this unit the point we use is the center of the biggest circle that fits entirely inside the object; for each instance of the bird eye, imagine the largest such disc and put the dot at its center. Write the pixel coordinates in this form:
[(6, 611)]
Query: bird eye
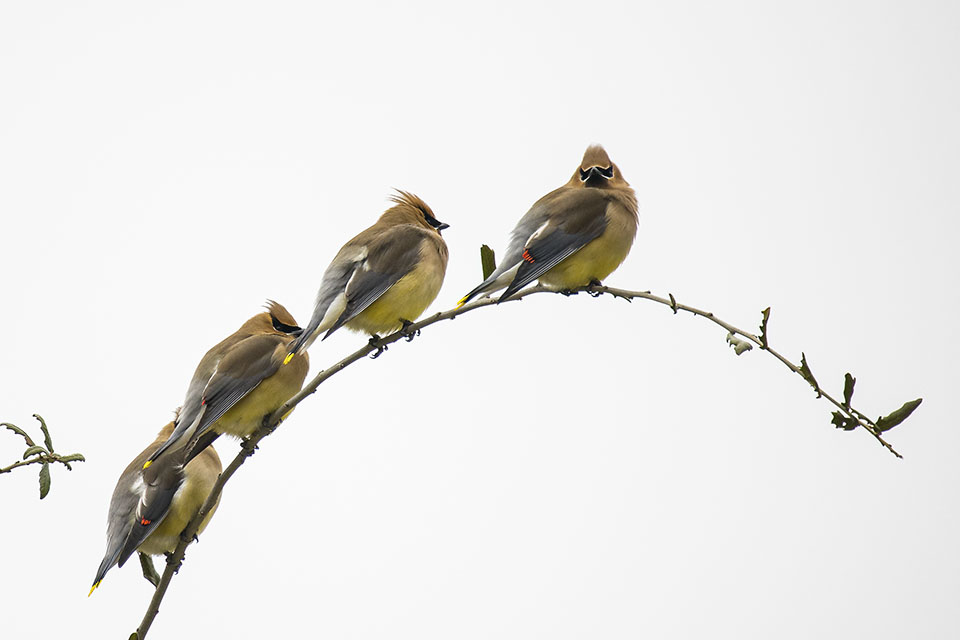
[(606, 173), (584, 175), (285, 328)]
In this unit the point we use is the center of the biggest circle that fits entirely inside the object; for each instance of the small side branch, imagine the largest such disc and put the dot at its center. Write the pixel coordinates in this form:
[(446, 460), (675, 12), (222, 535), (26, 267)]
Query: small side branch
[(44, 455)]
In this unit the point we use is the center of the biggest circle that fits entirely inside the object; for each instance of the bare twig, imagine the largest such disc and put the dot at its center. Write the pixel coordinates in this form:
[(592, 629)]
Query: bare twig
[(374, 348), (762, 342)]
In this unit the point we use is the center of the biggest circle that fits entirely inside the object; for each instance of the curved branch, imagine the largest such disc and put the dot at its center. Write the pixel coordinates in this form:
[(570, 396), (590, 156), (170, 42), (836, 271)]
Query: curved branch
[(375, 347)]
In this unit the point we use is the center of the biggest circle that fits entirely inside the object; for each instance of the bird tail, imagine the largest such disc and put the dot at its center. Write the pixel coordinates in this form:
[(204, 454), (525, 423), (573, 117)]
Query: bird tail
[(473, 294), (299, 343), (106, 564)]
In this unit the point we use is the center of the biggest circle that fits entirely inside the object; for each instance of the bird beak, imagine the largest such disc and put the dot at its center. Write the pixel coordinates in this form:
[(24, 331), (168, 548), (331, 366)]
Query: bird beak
[(442, 226), (593, 173)]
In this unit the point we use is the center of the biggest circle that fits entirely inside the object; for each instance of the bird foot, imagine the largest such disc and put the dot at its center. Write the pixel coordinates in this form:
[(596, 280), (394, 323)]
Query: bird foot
[(407, 334), (594, 283), (568, 292), (170, 560), (375, 342)]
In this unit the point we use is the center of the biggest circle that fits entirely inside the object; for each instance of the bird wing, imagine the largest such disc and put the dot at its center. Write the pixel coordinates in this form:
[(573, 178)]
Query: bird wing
[(160, 484), (390, 256), (532, 220), (242, 368), (334, 282), (577, 216), (236, 373), (123, 505)]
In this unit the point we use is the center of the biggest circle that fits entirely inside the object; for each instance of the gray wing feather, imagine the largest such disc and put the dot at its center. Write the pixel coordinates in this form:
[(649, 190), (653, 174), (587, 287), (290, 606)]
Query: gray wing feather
[(391, 256), (334, 283)]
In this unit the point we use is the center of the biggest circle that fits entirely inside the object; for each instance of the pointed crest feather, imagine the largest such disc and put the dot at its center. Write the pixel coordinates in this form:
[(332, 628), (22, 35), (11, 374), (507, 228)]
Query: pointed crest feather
[(407, 199), (595, 156), (280, 312)]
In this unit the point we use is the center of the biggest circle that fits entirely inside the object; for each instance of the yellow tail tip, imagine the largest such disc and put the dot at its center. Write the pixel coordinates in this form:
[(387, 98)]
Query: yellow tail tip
[(93, 588), (462, 302), (288, 358), (145, 465)]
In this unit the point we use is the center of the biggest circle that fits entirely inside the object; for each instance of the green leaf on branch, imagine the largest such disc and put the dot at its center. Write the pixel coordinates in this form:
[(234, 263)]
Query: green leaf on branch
[(841, 421), (20, 432), (488, 261), (46, 434), (44, 480), (848, 382), (73, 457), (32, 451), (889, 422), (807, 374), (763, 327)]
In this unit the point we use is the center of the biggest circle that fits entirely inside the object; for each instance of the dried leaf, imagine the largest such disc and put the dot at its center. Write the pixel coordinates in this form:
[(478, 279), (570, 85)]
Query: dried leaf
[(19, 432), (32, 451), (488, 261), (44, 480), (889, 422), (46, 434), (739, 346), (807, 374), (763, 327), (848, 382)]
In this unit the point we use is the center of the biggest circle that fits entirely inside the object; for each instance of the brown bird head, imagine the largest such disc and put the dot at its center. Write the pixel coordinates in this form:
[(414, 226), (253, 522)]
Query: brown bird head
[(280, 319), (276, 319), (597, 171), (410, 209)]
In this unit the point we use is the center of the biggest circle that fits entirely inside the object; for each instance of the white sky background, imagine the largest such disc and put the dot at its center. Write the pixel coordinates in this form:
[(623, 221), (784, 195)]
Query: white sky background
[(557, 468)]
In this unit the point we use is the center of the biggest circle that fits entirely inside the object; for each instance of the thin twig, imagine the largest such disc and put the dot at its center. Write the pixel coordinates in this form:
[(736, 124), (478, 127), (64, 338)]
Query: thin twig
[(271, 422), (861, 419)]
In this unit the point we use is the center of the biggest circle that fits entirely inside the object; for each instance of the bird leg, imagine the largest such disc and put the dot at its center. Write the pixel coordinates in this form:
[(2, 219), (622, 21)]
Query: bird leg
[(595, 283), (149, 571), (405, 331), (375, 342)]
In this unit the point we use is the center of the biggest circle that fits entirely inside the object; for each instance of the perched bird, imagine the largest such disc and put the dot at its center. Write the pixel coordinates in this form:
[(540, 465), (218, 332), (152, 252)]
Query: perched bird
[(383, 278), (238, 382), (192, 484), (573, 236)]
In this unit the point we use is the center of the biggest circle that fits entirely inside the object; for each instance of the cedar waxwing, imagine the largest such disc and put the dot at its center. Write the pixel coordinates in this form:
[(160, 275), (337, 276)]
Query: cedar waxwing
[(191, 486), (238, 382), (573, 236), (385, 277)]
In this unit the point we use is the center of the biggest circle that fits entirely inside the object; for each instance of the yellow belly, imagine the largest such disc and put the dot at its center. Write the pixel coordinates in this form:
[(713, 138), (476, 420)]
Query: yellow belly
[(597, 259), (405, 300), (247, 415), (186, 503)]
